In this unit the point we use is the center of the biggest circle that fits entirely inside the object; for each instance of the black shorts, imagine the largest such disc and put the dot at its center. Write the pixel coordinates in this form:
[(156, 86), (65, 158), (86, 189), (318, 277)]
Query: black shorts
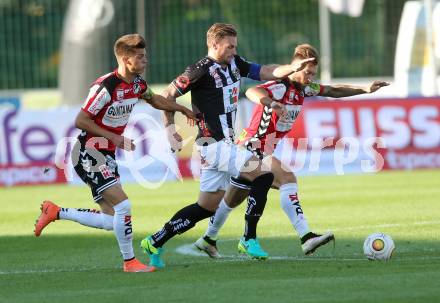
[(97, 168)]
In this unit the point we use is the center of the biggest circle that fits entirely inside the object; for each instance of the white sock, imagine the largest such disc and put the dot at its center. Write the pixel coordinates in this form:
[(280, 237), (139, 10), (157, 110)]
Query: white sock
[(123, 229), (292, 208), (88, 217), (218, 220)]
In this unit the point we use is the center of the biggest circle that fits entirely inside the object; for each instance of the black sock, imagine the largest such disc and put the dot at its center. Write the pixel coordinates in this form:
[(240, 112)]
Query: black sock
[(256, 203), (250, 228), (183, 220)]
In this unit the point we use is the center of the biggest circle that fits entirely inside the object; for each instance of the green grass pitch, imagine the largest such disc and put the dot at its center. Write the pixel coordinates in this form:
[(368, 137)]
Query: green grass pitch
[(72, 263)]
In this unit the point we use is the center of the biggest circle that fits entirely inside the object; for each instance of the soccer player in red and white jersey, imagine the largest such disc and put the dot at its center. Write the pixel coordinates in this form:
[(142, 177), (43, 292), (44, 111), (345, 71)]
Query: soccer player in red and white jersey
[(278, 106), (102, 119)]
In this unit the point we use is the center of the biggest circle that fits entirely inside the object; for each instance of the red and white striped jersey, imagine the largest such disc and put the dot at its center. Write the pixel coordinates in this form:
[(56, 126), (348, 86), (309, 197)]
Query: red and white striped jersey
[(266, 124), (110, 102)]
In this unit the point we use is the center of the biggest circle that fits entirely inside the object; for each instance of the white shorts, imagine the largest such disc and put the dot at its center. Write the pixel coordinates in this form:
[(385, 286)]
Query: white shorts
[(220, 161), (284, 152)]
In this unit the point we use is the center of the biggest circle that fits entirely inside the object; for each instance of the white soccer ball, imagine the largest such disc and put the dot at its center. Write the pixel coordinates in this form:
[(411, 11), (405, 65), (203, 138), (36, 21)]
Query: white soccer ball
[(378, 246)]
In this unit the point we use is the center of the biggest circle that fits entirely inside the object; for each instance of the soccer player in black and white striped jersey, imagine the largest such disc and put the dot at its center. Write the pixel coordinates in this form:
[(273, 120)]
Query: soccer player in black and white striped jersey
[(214, 82)]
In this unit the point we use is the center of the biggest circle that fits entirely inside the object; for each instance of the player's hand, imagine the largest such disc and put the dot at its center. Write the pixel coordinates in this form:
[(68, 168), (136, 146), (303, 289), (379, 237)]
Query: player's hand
[(376, 85), (175, 140), (191, 117), (279, 108), (146, 97), (124, 143), (301, 64)]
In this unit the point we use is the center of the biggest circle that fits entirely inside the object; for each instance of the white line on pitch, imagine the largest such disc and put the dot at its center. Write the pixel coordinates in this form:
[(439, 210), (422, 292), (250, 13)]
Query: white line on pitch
[(54, 270), (191, 250)]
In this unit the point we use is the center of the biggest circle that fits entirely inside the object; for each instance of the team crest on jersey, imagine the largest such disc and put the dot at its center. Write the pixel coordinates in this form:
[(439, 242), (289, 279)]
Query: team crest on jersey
[(292, 96), (119, 94), (236, 73), (136, 88)]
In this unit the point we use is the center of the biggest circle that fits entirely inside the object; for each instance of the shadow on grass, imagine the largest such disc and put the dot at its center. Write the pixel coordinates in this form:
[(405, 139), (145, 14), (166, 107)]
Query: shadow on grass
[(100, 252)]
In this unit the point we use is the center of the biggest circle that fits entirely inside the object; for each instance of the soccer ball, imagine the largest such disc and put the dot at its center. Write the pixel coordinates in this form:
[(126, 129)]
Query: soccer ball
[(378, 247)]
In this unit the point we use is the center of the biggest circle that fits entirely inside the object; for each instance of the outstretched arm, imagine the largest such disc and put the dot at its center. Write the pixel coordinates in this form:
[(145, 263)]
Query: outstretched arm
[(344, 90), (175, 139), (171, 94), (160, 102), (260, 95), (275, 71)]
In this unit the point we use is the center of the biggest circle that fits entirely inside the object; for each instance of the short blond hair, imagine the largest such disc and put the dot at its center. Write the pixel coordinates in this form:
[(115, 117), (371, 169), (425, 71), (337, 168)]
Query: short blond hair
[(305, 51), (126, 44), (218, 31)]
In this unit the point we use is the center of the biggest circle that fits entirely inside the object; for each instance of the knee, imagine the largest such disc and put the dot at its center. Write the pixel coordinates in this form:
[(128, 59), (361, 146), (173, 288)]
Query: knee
[(285, 178), (123, 207), (265, 179)]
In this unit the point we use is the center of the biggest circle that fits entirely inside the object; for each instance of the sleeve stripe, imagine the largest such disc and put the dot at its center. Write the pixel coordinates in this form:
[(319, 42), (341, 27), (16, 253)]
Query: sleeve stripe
[(178, 90), (87, 112), (97, 104), (89, 101), (254, 71)]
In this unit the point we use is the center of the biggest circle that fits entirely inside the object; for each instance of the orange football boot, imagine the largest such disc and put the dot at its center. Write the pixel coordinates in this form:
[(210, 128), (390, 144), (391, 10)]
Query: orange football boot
[(49, 213), (134, 265)]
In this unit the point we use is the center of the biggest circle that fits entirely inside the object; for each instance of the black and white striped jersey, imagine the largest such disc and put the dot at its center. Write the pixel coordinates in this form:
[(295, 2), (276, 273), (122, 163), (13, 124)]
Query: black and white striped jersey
[(214, 93)]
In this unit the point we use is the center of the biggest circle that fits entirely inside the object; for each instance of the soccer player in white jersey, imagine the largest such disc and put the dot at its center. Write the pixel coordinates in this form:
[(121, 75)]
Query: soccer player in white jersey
[(102, 119), (278, 106)]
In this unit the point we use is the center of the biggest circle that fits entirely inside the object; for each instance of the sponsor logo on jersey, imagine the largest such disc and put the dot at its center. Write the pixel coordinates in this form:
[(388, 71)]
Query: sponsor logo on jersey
[(233, 95), (92, 108), (97, 102), (292, 114), (120, 110), (285, 122), (230, 95)]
